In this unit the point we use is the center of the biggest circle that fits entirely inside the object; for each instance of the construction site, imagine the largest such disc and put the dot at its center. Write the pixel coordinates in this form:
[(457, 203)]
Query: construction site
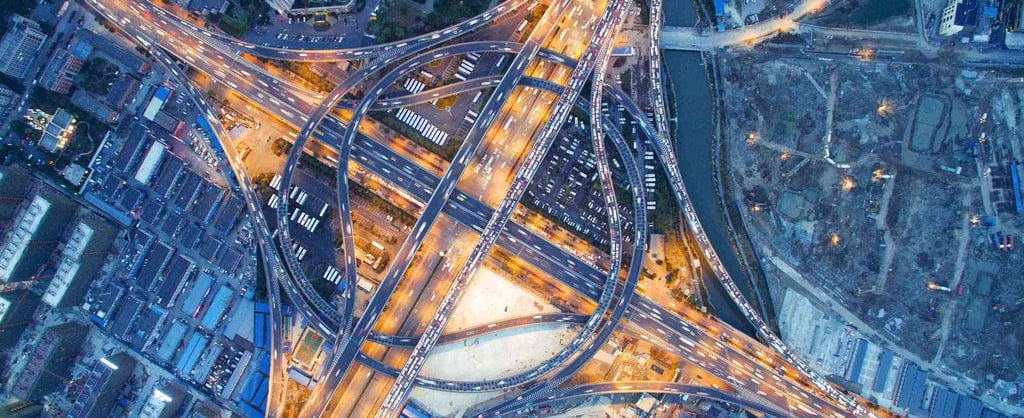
[(888, 193)]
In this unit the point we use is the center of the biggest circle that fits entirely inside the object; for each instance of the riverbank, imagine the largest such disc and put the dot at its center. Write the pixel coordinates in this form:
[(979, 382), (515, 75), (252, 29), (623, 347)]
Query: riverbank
[(756, 278), (695, 118)]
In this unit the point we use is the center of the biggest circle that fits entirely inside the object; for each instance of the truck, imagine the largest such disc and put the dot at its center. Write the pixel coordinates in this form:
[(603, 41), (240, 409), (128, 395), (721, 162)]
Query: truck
[(365, 285)]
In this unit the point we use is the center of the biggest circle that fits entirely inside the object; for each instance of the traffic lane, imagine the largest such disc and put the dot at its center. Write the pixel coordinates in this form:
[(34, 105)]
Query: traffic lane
[(186, 41), (425, 278), (433, 207), (451, 177), (715, 357), (666, 153), (550, 264), (482, 329), (352, 131), (530, 247), (668, 388), (317, 55), (412, 99), (628, 288), (475, 213), (344, 212)]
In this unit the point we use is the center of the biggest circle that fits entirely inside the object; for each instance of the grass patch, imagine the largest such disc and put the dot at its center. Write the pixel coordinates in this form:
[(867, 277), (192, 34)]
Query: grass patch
[(378, 203), (240, 16), (401, 19), (96, 76), (305, 71)]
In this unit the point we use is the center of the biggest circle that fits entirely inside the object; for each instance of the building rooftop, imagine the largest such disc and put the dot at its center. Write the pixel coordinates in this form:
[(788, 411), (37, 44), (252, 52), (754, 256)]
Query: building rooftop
[(966, 13), (218, 306), (77, 268), (177, 272), (198, 293), (19, 46), (49, 366), (30, 241), (171, 340), (122, 325), (105, 303), (122, 91), (944, 402), (228, 214), (191, 354), (102, 386), (145, 324), (123, 57), (163, 402), (912, 389), (157, 258), (132, 149), (95, 106), (59, 131)]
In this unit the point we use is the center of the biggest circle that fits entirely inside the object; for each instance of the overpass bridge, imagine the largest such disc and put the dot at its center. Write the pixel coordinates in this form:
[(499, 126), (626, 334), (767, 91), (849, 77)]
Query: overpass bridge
[(678, 38)]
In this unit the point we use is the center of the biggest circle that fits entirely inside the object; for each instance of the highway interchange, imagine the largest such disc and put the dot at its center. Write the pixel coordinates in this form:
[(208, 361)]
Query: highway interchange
[(218, 57)]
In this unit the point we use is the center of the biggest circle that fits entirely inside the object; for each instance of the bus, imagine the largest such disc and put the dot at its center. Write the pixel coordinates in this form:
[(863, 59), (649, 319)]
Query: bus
[(522, 26)]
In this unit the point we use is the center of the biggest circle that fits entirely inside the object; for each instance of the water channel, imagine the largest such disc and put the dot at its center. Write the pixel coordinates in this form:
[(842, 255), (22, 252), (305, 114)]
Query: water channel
[(694, 133)]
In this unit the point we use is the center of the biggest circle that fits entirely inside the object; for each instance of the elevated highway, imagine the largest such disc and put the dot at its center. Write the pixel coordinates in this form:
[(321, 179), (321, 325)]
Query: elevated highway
[(634, 173), (582, 284), (345, 353), (533, 249), (482, 329), (385, 51), (344, 208), (659, 388), (399, 392)]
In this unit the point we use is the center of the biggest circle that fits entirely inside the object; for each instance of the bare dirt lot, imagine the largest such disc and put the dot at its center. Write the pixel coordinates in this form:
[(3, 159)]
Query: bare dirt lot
[(891, 186)]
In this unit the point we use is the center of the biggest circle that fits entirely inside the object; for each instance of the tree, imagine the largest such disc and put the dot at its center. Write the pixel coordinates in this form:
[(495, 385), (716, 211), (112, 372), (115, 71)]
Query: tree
[(280, 146)]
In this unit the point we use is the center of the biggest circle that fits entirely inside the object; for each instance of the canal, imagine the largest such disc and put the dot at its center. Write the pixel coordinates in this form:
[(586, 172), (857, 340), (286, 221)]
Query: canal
[(694, 138)]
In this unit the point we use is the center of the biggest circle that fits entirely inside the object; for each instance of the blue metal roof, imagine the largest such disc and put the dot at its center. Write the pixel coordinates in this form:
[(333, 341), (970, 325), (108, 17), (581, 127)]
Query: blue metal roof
[(198, 293), (988, 413), (162, 93), (263, 364), (81, 50), (858, 359), (882, 373), (912, 388), (113, 213), (969, 408), (249, 412), (720, 7), (217, 307), (260, 399), (205, 125), (944, 403), (170, 340), (189, 358), (253, 396), (261, 330)]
